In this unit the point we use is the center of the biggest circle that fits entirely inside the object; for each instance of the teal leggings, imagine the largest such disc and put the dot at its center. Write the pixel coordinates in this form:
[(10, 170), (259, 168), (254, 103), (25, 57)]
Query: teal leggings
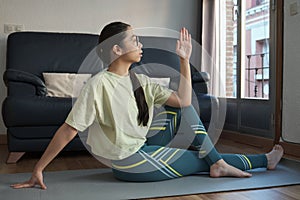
[(157, 160)]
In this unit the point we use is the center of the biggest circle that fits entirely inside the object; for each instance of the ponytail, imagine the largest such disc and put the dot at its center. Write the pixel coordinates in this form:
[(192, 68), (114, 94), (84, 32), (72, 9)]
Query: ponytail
[(143, 115)]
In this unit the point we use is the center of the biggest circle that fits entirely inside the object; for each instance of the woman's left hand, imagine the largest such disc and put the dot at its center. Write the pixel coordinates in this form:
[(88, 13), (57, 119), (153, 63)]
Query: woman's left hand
[(184, 45)]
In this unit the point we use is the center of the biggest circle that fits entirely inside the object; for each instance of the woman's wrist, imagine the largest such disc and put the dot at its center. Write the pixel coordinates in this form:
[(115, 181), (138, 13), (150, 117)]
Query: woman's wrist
[(38, 169), (184, 60)]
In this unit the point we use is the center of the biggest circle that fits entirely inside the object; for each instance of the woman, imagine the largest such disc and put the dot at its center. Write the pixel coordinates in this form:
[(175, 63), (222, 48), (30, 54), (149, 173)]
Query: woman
[(135, 157)]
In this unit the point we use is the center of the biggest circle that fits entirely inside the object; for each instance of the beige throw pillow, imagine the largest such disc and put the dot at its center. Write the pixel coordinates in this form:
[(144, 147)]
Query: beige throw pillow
[(65, 84)]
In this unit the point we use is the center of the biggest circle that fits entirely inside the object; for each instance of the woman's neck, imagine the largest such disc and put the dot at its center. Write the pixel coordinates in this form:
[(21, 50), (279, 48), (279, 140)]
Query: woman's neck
[(121, 69)]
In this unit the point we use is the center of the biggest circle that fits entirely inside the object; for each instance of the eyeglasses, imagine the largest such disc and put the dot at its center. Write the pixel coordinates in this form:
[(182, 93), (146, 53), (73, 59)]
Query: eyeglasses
[(134, 39), (137, 40)]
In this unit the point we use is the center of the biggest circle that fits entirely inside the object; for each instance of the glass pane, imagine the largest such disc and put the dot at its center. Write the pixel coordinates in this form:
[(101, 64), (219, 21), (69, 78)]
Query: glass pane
[(255, 49)]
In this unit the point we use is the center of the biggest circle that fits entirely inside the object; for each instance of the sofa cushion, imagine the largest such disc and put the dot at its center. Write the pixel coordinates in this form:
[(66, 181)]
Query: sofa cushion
[(38, 52), (36, 139), (65, 84), (35, 111)]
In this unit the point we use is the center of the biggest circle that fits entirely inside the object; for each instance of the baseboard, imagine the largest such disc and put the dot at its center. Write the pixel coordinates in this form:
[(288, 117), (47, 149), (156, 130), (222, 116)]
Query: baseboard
[(264, 143), (261, 142), (255, 141), (291, 149), (3, 139)]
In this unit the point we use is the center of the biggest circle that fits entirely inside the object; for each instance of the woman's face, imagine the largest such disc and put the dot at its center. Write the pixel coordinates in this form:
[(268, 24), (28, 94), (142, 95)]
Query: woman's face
[(131, 47)]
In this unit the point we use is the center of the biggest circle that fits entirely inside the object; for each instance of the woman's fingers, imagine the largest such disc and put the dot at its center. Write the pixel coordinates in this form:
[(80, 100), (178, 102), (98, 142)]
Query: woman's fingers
[(184, 35), (36, 179), (28, 185), (22, 185), (43, 186), (177, 45)]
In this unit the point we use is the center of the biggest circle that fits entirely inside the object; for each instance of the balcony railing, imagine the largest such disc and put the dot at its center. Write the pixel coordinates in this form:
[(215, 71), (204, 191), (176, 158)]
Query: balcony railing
[(257, 75)]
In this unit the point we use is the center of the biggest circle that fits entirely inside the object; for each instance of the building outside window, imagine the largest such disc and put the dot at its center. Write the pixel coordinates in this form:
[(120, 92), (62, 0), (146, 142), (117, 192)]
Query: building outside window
[(255, 28)]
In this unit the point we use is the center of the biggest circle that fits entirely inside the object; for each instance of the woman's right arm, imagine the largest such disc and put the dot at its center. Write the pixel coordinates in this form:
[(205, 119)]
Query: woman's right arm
[(61, 138)]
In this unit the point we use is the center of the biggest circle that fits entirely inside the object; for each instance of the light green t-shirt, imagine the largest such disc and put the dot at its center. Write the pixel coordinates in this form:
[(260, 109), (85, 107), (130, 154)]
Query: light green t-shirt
[(107, 106)]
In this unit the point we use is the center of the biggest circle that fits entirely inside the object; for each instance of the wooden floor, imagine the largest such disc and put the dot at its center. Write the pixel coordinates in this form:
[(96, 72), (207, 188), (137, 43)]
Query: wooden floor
[(82, 160)]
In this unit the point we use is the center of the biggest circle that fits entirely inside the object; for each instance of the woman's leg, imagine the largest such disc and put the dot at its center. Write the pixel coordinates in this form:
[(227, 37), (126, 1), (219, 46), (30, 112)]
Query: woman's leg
[(156, 163), (167, 123), (163, 129), (164, 126), (228, 164)]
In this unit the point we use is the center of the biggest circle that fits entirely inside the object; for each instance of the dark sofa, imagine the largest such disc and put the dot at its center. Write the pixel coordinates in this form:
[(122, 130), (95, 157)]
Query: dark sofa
[(31, 117)]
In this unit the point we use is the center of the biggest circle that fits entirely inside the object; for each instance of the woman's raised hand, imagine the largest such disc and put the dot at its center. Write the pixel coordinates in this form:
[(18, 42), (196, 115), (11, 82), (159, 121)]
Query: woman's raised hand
[(35, 180), (184, 45)]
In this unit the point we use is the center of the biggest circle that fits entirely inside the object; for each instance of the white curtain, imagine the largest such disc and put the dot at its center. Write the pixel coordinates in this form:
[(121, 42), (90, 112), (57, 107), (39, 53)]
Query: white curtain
[(210, 58)]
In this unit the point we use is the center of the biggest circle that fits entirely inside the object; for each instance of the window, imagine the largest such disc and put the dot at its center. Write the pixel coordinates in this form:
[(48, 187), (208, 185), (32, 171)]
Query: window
[(246, 31), (245, 52)]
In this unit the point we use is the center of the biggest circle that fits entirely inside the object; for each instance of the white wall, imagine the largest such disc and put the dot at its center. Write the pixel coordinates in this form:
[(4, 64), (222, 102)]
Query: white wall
[(90, 16), (291, 73)]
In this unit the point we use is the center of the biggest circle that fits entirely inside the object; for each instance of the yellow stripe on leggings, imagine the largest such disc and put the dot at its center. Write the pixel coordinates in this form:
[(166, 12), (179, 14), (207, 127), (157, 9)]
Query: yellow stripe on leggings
[(129, 166), (170, 112), (157, 151), (248, 161), (172, 155), (202, 151), (200, 132), (170, 168), (157, 128)]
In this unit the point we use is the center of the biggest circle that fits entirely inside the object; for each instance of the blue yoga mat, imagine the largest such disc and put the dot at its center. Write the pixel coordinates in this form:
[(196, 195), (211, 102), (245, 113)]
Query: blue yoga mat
[(100, 184)]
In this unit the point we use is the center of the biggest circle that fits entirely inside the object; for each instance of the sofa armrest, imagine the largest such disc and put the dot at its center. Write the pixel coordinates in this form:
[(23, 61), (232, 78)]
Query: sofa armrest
[(200, 82), (208, 107), (21, 76), (200, 77)]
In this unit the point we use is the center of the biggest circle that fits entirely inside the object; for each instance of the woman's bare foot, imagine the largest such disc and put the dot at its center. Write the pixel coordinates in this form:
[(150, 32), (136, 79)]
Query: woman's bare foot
[(274, 156), (221, 168)]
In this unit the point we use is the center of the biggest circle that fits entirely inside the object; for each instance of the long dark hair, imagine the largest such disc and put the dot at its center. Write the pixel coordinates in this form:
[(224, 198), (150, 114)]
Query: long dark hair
[(111, 35)]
